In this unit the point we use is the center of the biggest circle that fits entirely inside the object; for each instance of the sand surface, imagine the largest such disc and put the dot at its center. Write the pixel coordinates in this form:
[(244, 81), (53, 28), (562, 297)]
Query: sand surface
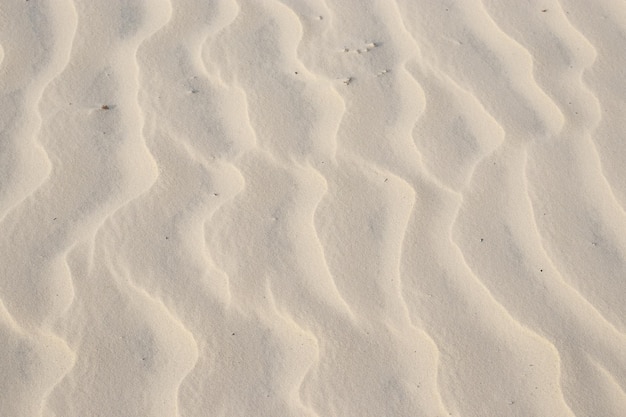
[(312, 208)]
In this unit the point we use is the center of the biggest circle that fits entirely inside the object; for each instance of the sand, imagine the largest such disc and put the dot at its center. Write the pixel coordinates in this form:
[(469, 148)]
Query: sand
[(312, 208)]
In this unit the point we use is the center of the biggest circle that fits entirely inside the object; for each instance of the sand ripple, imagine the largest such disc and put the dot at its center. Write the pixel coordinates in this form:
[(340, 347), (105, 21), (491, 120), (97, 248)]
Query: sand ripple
[(289, 208)]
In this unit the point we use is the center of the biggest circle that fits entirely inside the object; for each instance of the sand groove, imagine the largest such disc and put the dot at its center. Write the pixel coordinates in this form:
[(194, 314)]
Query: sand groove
[(31, 348)]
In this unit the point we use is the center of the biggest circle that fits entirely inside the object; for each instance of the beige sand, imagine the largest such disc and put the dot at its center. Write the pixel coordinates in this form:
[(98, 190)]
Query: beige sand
[(312, 208)]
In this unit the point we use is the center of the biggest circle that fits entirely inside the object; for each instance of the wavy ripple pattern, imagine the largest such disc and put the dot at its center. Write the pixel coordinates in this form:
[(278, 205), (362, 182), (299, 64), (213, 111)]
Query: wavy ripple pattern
[(312, 208)]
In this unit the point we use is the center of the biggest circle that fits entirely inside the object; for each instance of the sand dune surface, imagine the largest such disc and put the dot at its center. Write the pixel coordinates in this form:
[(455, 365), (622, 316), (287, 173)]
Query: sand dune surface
[(312, 208)]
